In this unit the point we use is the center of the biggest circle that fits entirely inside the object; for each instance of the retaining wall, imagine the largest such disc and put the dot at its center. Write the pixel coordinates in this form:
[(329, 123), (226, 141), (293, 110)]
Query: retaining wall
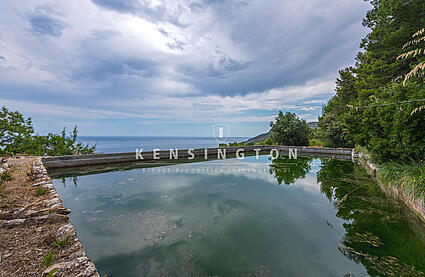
[(212, 153), (416, 205)]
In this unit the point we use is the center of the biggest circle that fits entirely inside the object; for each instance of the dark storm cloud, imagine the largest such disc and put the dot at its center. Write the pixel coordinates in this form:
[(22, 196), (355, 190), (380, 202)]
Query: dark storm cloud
[(287, 49), (286, 43)]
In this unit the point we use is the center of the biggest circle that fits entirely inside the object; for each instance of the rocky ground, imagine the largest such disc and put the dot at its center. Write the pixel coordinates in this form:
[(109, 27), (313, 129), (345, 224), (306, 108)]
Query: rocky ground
[(36, 235)]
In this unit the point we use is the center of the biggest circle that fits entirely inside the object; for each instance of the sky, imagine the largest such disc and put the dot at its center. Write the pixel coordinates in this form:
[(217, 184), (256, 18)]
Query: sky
[(173, 67)]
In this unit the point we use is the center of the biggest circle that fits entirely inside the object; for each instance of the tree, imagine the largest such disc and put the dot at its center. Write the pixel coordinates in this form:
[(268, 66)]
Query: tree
[(333, 126), (333, 132), (371, 108), (17, 136), (15, 130), (289, 130), (391, 22)]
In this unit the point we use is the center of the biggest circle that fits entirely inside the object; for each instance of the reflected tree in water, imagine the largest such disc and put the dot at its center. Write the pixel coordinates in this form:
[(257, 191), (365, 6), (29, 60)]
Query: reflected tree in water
[(287, 170), (375, 226), (73, 179)]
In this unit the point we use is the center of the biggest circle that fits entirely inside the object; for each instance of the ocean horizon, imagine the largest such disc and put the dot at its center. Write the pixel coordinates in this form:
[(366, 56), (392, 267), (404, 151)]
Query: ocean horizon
[(119, 144)]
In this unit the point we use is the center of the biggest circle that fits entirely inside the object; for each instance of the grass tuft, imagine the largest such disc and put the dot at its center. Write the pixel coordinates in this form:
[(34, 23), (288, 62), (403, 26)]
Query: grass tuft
[(61, 243), (51, 273), (48, 259), (4, 177), (40, 191)]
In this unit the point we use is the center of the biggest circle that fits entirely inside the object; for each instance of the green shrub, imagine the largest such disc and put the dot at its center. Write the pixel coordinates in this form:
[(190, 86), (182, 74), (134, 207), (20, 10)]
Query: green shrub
[(236, 144), (316, 142), (268, 141)]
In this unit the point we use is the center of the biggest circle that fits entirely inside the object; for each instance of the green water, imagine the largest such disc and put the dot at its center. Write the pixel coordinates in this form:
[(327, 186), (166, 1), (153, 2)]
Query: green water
[(304, 217)]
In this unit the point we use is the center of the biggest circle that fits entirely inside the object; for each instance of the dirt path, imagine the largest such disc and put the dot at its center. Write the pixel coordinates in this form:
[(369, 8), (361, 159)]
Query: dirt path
[(36, 235)]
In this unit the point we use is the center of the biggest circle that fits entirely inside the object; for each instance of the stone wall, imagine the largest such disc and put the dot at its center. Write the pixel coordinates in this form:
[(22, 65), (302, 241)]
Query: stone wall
[(416, 205), (35, 223)]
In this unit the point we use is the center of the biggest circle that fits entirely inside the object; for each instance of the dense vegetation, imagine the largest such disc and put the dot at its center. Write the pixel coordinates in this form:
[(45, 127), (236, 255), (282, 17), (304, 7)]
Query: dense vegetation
[(380, 101), (373, 106), (17, 136)]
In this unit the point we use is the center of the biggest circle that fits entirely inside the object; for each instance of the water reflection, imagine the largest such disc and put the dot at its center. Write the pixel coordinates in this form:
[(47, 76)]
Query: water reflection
[(73, 179), (232, 222), (377, 231), (288, 170)]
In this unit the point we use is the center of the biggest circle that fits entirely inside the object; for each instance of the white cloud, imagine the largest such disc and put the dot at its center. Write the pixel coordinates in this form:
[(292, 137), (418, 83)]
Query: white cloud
[(196, 109), (175, 61)]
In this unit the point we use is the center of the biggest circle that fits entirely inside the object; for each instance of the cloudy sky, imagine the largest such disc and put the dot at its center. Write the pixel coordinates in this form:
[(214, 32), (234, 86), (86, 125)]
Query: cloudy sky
[(173, 67)]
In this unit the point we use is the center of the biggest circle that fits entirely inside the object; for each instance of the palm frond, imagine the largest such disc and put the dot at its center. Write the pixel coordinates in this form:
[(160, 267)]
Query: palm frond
[(412, 53), (420, 67), (419, 33), (418, 109), (413, 41), (417, 37)]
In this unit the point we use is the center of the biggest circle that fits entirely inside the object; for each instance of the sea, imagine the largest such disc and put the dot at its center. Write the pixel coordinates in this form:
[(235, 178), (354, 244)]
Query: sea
[(120, 144)]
